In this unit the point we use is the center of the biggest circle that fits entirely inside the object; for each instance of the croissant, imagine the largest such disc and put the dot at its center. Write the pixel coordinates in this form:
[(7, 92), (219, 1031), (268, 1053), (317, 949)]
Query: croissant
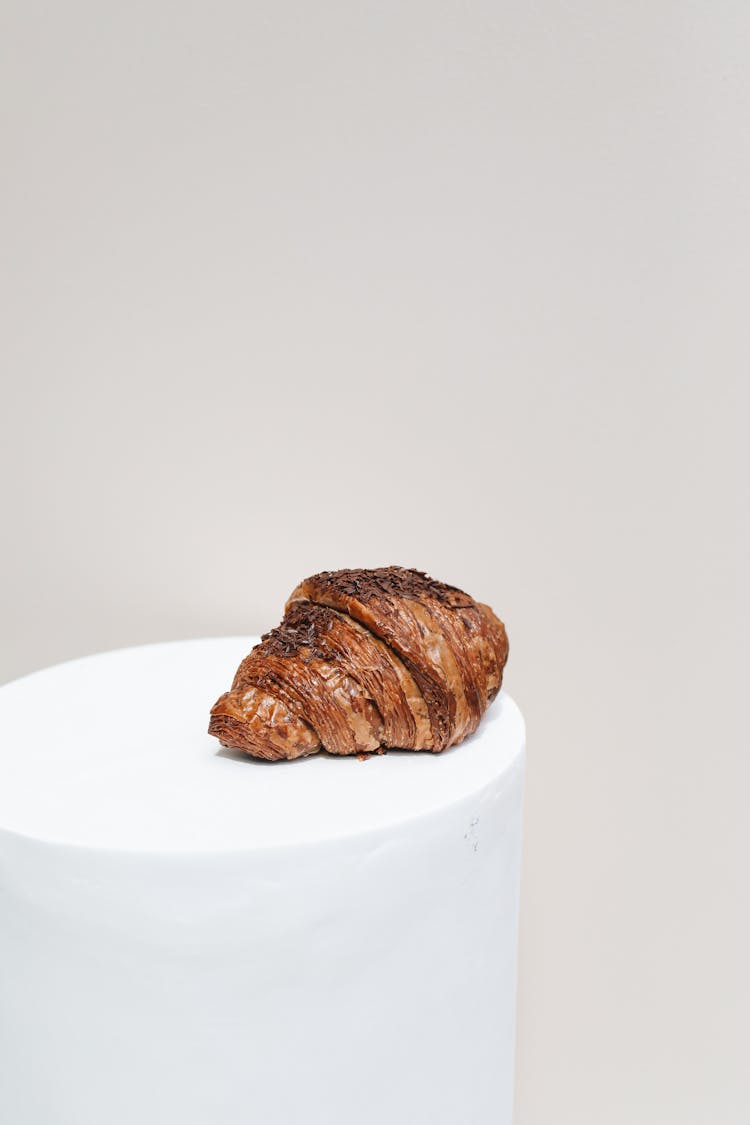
[(365, 659)]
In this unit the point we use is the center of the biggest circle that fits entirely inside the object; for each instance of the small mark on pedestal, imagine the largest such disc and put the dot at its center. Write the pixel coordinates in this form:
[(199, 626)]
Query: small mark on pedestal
[(471, 835)]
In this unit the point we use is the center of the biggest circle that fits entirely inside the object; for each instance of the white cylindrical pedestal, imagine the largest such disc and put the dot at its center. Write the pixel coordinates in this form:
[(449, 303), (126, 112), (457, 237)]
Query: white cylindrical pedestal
[(188, 935)]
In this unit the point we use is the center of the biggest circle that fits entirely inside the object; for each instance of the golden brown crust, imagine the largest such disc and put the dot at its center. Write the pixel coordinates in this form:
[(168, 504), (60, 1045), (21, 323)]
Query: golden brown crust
[(253, 720), (365, 658), (437, 630), (493, 647), (293, 668), (325, 638)]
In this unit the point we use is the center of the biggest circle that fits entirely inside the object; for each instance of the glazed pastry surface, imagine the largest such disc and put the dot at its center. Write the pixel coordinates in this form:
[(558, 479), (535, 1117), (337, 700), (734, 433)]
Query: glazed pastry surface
[(364, 660)]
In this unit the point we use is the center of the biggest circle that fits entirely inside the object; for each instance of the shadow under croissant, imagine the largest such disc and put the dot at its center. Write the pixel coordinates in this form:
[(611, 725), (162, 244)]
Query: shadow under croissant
[(395, 751)]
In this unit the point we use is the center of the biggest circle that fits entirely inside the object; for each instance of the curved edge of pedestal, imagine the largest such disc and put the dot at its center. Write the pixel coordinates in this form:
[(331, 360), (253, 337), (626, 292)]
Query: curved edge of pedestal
[(165, 897), (495, 787)]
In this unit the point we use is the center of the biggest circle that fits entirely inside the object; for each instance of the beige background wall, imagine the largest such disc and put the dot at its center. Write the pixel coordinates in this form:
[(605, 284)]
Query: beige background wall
[(462, 286)]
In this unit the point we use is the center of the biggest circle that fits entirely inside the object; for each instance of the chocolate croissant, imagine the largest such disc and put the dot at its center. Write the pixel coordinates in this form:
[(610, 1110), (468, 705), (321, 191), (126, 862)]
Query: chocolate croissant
[(365, 659)]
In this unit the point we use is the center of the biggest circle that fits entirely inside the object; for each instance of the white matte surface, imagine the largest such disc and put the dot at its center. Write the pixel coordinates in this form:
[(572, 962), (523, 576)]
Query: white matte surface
[(111, 751), (189, 936)]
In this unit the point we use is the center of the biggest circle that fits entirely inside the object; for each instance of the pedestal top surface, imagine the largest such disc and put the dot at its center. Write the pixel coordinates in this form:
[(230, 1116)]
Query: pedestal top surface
[(112, 752)]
